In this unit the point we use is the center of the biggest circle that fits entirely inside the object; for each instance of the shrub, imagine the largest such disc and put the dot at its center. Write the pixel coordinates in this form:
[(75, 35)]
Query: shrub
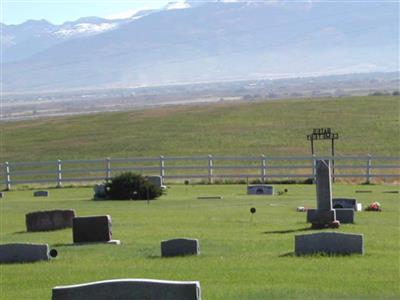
[(131, 186)]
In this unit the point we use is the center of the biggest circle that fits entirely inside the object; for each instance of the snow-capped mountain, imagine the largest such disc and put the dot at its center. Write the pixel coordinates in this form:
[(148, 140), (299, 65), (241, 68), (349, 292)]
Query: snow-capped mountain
[(192, 41), (22, 41)]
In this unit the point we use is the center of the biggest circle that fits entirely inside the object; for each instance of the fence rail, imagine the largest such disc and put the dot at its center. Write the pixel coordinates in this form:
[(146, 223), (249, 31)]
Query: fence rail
[(208, 168)]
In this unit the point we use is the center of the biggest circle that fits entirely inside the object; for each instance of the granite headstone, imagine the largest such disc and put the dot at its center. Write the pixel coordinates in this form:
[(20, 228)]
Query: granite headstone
[(329, 243), (49, 220), (92, 229), (41, 193), (260, 189), (180, 247), (23, 252), (324, 215), (130, 289)]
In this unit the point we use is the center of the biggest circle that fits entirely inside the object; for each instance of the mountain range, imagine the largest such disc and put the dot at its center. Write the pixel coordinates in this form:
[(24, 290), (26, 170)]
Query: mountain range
[(191, 41)]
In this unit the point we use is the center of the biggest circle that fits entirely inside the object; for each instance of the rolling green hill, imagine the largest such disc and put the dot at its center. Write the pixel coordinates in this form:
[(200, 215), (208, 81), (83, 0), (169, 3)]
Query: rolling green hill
[(365, 125)]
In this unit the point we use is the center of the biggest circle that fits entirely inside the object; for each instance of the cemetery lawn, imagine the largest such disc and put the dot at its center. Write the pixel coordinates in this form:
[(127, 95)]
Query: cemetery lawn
[(366, 125), (241, 257)]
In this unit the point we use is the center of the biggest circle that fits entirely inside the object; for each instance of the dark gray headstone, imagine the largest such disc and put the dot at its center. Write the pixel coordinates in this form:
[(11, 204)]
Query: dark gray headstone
[(323, 185), (91, 229), (180, 247), (2, 194), (41, 193), (156, 180), (99, 191), (49, 220), (324, 215), (23, 252), (260, 189), (344, 203), (345, 215), (329, 242), (130, 289)]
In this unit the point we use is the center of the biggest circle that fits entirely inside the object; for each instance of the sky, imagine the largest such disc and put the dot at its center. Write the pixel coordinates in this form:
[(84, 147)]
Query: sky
[(59, 11)]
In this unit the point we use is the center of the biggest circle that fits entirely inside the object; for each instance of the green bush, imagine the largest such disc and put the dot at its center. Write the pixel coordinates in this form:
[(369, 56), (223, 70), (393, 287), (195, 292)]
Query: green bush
[(131, 186)]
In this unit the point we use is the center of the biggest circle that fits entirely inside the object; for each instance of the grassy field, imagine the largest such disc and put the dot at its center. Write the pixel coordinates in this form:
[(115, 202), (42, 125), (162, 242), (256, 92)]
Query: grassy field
[(365, 125), (241, 258)]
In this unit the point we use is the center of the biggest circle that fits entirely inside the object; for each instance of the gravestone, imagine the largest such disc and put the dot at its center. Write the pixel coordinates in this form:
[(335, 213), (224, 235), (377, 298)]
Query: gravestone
[(260, 189), (92, 229), (324, 215), (156, 180), (180, 247), (99, 191), (130, 289), (210, 197), (49, 220), (2, 194), (338, 203), (345, 215), (41, 193), (329, 243), (345, 208), (23, 252)]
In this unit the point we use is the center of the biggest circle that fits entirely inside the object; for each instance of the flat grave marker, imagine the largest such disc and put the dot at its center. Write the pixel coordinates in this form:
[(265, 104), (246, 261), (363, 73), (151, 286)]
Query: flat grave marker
[(210, 197), (41, 193)]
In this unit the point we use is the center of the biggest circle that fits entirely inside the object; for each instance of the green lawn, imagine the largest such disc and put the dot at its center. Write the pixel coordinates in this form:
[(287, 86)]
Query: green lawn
[(365, 125), (241, 258)]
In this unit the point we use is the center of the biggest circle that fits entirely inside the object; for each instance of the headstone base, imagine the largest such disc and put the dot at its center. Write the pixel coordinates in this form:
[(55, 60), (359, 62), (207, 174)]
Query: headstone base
[(110, 242), (321, 218), (345, 215)]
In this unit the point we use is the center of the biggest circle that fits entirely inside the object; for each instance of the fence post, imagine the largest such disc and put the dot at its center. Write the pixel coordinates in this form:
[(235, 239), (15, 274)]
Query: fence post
[(108, 168), (263, 168), (59, 174), (368, 170), (8, 175), (314, 166), (210, 169), (162, 168)]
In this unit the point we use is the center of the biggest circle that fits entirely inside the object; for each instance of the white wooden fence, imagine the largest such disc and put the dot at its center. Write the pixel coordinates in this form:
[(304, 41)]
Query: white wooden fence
[(207, 168)]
